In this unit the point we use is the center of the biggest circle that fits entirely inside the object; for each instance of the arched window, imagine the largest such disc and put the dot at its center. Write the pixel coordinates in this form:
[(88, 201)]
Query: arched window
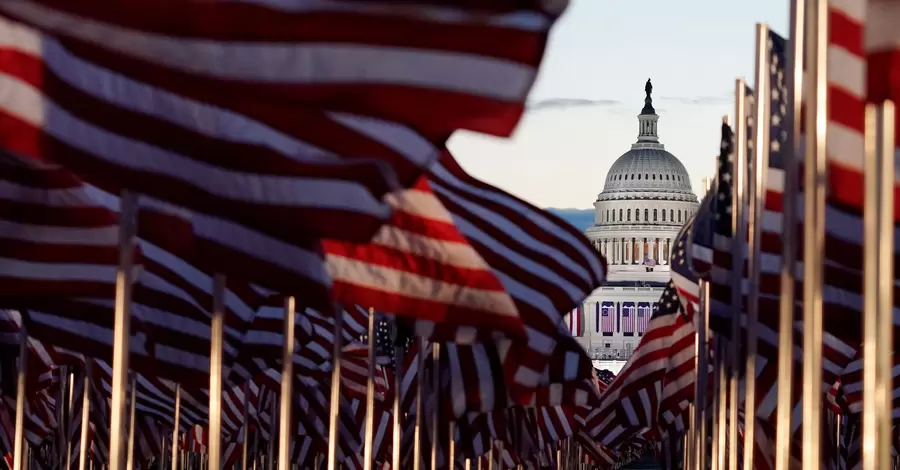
[(637, 215), (620, 215), (646, 215), (639, 176), (671, 215), (607, 216), (679, 217), (654, 176), (654, 215), (629, 215), (664, 215)]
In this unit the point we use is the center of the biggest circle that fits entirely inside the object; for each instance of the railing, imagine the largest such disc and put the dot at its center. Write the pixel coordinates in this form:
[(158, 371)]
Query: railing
[(610, 354)]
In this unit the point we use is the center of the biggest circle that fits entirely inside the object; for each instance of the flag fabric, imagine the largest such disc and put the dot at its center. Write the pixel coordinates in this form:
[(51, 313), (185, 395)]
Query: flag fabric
[(342, 128), (663, 356), (712, 236), (882, 48), (608, 318), (575, 322), (628, 317), (841, 295), (643, 317), (429, 77), (283, 181), (846, 83), (420, 265)]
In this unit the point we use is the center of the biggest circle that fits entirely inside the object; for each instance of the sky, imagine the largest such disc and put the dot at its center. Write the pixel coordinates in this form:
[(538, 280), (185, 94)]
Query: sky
[(584, 105)]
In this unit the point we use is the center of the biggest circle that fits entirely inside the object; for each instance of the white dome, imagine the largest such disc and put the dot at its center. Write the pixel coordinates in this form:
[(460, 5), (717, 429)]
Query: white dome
[(647, 169)]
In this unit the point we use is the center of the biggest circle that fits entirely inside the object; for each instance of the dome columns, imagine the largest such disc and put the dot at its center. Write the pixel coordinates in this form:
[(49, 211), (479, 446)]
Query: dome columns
[(635, 250)]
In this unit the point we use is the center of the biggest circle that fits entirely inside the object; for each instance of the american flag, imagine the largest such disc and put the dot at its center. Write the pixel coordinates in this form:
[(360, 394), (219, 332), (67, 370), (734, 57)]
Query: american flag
[(289, 161), (682, 272), (841, 311), (608, 318), (628, 318), (643, 317), (664, 355), (575, 321), (712, 233)]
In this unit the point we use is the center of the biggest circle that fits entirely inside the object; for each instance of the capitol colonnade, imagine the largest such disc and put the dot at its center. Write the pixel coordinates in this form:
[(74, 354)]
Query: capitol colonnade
[(634, 250)]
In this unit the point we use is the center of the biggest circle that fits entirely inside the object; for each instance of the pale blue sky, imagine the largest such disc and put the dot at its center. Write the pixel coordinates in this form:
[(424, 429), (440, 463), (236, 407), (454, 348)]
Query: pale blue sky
[(600, 53)]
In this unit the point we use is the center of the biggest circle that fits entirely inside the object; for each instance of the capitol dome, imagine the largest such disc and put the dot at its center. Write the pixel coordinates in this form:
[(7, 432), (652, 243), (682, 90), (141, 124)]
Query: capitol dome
[(647, 169), (645, 200)]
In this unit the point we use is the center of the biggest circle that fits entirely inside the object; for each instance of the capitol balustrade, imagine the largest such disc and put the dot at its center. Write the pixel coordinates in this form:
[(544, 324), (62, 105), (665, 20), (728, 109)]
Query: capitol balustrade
[(610, 354)]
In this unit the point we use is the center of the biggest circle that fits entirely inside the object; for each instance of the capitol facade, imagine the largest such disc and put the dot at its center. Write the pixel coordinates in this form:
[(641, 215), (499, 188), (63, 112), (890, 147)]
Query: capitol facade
[(645, 201)]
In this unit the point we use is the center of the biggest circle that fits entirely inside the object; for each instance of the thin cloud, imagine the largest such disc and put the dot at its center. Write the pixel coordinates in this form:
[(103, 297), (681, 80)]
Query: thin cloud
[(696, 100), (565, 103)]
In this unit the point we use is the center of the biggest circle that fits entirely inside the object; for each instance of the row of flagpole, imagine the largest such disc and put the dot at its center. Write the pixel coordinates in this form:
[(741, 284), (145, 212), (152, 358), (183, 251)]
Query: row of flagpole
[(809, 34), (123, 438)]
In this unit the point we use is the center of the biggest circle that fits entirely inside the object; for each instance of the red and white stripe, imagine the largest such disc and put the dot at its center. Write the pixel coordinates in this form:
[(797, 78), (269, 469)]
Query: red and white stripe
[(608, 319), (546, 266), (629, 314), (644, 312), (575, 322), (419, 265), (55, 239), (454, 67), (121, 130)]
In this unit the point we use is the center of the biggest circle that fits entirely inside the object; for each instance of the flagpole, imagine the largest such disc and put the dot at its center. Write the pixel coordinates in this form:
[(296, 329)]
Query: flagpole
[(761, 122), (700, 390), (122, 330), (738, 245), (369, 434), (216, 338), (878, 283), (786, 307), (814, 229)]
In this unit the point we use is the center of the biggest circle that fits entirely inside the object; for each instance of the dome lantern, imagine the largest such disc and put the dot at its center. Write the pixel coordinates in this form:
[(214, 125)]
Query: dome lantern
[(647, 120)]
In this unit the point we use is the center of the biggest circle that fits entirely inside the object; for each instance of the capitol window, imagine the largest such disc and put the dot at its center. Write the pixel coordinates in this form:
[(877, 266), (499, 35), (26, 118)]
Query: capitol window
[(646, 215), (620, 215), (654, 215), (629, 215), (664, 215)]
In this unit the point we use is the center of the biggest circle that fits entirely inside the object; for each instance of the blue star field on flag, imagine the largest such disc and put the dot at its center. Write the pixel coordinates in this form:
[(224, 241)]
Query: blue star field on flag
[(778, 106), (384, 340), (668, 304)]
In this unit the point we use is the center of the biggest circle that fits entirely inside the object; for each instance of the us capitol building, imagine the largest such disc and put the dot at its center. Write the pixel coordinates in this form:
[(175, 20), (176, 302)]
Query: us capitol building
[(646, 199)]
